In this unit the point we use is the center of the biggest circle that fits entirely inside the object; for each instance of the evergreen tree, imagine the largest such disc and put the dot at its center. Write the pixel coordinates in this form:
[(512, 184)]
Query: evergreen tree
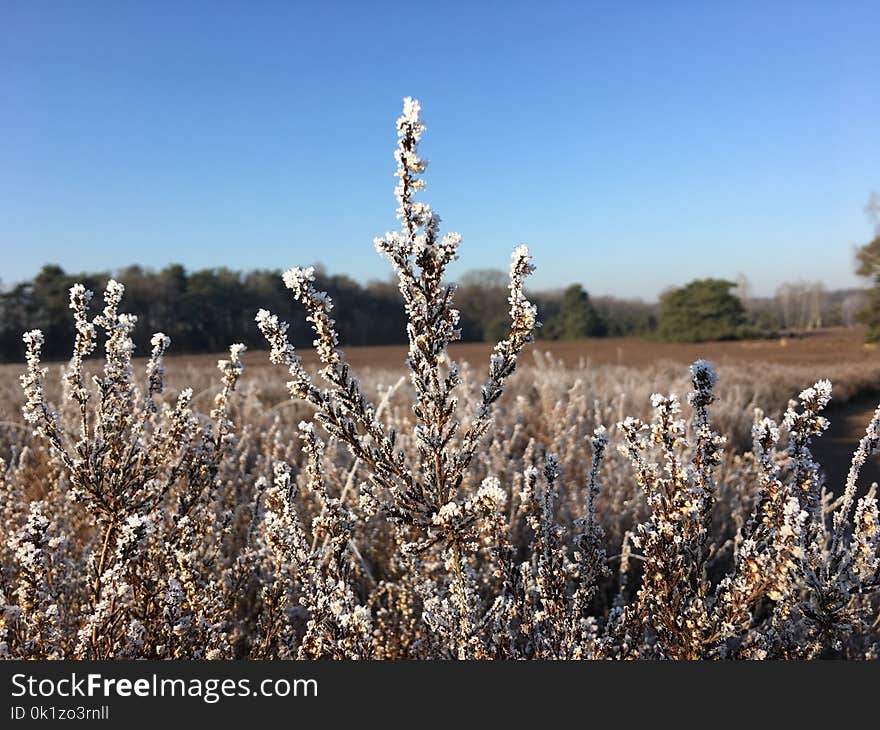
[(577, 317), (704, 309), (868, 258)]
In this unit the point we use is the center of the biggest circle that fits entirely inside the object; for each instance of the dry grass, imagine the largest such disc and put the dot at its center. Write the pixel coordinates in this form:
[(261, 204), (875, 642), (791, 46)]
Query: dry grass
[(821, 348)]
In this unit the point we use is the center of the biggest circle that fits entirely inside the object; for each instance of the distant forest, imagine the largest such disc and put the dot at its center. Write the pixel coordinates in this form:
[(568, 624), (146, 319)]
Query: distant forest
[(205, 311)]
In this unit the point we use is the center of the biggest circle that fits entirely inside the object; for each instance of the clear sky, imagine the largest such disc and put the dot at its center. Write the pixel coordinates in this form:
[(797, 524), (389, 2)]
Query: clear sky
[(632, 145)]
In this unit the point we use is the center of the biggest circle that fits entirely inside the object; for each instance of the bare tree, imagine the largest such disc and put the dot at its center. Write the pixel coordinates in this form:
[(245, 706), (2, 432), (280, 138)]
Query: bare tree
[(850, 308), (743, 289), (801, 304), (872, 210)]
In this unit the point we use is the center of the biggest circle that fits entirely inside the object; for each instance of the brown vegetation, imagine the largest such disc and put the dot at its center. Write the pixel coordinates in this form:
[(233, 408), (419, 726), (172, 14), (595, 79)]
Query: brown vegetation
[(576, 508)]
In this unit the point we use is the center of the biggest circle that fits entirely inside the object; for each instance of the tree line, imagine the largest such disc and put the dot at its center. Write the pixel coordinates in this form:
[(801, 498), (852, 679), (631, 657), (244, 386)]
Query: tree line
[(205, 310)]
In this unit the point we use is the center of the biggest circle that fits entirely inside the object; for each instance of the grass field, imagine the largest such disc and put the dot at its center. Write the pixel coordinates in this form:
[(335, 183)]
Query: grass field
[(828, 347), (840, 354), (790, 363)]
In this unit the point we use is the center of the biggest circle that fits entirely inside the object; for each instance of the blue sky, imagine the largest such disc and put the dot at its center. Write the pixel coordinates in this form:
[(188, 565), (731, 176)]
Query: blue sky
[(631, 145)]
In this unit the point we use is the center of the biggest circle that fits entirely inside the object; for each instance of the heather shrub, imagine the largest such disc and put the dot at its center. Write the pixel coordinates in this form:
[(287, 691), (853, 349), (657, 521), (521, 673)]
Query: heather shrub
[(118, 558)]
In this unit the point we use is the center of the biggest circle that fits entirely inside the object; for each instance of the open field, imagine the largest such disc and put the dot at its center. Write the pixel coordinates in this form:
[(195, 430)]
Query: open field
[(776, 368), (840, 354), (829, 347)]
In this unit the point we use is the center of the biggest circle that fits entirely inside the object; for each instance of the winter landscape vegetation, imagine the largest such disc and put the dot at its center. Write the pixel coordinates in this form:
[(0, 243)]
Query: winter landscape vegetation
[(549, 510), (443, 460)]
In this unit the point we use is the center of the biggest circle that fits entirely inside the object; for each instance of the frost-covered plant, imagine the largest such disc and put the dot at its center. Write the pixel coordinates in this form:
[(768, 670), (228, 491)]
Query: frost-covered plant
[(339, 626), (144, 479), (771, 580), (421, 492), (677, 612)]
